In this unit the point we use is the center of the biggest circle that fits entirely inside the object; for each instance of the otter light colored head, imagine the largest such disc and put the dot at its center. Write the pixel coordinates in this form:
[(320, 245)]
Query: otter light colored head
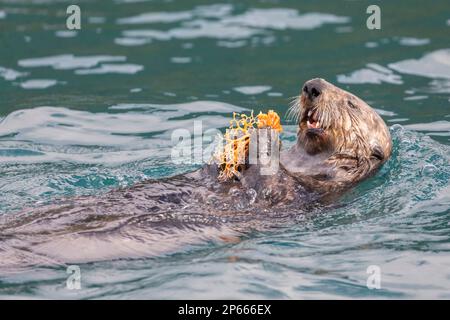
[(336, 122)]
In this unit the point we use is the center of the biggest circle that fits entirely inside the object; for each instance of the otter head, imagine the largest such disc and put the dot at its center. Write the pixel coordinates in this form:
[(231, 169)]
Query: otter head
[(342, 128)]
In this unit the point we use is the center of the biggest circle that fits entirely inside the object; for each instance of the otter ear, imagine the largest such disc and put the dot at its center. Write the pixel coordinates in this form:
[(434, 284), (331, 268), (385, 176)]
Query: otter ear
[(377, 153)]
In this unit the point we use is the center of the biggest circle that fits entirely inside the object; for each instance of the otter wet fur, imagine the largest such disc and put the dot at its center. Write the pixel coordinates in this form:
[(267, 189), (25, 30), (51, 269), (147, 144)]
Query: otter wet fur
[(341, 141)]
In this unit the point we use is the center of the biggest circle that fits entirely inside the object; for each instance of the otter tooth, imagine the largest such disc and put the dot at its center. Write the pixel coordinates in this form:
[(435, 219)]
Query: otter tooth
[(309, 113)]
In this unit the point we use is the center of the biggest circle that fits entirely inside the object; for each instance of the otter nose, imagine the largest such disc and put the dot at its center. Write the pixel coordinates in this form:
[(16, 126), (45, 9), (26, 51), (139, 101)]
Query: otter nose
[(312, 88)]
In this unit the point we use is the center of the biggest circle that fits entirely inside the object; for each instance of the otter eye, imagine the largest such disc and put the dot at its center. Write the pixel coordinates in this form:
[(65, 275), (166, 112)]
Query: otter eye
[(351, 105), (378, 153)]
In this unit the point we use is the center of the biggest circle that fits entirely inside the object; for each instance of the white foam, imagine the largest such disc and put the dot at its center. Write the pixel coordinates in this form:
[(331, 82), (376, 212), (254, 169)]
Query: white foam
[(130, 127), (415, 98), (130, 42), (432, 65), (232, 44), (395, 120), (252, 90), (371, 44), (38, 83), (436, 126), (100, 158), (181, 59), (387, 113), (374, 74), (150, 34), (68, 61), (182, 108), (221, 25), (126, 68), (213, 11), (2, 14), (409, 41), (206, 11), (197, 29), (282, 19), (66, 33), (439, 86), (10, 74), (215, 30)]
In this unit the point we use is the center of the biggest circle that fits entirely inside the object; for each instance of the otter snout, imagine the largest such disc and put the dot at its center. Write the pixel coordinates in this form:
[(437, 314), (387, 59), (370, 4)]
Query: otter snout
[(313, 88)]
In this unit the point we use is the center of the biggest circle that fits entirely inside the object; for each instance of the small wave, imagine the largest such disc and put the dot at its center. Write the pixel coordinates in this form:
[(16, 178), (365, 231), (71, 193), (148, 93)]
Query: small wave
[(62, 126), (282, 19), (11, 74), (224, 26), (66, 33), (38, 83), (181, 59), (374, 74), (83, 65), (441, 127), (435, 64), (68, 61), (410, 41), (127, 68), (252, 90), (57, 150), (206, 11)]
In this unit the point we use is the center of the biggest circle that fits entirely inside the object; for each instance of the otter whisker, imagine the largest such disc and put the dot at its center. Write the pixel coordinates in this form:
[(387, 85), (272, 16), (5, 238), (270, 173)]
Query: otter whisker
[(294, 110), (293, 98), (327, 114), (294, 101)]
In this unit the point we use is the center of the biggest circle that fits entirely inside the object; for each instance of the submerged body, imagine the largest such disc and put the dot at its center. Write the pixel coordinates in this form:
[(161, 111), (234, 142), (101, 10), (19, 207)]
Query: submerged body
[(341, 141)]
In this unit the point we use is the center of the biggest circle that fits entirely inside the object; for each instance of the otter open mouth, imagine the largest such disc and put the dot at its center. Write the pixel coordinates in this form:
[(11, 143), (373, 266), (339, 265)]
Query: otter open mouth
[(313, 124), (311, 120)]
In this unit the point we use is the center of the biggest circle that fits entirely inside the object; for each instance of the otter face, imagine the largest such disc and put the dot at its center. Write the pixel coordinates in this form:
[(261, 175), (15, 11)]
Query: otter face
[(336, 122), (322, 113), (313, 122)]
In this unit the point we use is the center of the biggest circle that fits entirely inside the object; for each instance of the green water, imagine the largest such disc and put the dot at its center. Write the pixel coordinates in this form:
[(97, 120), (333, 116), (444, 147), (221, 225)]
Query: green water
[(86, 111)]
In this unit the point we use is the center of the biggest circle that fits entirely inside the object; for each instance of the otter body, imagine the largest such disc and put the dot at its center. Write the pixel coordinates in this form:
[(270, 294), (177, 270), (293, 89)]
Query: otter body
[(341, 141)]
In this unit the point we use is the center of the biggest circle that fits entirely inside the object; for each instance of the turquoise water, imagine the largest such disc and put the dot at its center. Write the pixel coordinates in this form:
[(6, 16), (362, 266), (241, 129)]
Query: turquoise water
[(84, 112)]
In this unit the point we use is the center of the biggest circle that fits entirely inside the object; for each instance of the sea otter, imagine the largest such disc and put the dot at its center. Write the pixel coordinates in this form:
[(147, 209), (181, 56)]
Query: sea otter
[(340, 141)]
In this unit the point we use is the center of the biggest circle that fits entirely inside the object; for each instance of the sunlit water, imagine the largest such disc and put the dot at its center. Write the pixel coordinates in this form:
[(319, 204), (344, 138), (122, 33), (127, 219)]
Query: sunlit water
[(84, 112)]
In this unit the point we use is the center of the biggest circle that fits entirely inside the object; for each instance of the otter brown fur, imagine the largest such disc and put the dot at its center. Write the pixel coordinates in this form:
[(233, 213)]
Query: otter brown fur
[(341, 140)]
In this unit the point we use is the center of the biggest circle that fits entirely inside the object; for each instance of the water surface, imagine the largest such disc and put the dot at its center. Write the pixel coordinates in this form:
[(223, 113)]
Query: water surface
[(87, 111)]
